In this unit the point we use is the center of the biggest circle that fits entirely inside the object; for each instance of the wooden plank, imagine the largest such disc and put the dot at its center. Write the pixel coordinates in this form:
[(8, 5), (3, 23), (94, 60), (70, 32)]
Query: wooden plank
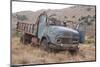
[(25, 27)]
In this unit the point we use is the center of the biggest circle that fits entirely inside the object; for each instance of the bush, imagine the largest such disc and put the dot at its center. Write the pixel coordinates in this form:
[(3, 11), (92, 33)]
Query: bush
[(21, 17), (90, 41), (17, 34)]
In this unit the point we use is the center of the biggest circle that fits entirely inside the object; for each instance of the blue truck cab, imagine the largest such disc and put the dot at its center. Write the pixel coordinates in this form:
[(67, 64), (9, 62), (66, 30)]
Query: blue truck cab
[(56, 36)]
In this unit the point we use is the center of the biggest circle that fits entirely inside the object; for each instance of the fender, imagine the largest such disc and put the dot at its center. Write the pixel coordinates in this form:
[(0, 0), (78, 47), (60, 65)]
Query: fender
[(47, 37)]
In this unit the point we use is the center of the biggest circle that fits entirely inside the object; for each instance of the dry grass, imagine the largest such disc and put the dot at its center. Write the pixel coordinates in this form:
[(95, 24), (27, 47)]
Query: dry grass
[(26, 54)]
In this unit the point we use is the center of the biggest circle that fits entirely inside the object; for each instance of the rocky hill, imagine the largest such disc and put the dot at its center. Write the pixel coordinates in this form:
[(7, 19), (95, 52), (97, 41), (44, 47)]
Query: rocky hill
[(71, 15)]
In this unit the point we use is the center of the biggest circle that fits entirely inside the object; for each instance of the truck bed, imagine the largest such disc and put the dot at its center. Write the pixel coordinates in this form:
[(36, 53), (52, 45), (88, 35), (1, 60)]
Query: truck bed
[(26, 28)]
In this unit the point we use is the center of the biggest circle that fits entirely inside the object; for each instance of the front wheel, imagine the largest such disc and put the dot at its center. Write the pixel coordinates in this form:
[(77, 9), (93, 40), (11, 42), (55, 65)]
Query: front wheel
[(45, 45)]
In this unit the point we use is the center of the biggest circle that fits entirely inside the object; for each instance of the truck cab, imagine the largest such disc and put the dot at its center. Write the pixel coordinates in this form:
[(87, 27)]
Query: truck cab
[(56, 36)]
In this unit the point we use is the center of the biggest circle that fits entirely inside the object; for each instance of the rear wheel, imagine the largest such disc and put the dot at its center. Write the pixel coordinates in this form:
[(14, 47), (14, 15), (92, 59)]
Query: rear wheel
[(25, 39)]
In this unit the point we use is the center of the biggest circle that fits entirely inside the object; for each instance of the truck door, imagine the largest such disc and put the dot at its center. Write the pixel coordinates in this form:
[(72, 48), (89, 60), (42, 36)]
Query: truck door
[(81, 28), (42, 25)]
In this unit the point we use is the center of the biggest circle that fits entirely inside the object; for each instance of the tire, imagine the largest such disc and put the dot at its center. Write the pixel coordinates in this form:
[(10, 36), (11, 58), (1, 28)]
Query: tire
[(45, 45), (25, 39)]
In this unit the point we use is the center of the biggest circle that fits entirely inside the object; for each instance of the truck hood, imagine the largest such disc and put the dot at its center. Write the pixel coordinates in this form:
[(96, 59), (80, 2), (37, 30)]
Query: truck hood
[(56, 32), (59, 29)]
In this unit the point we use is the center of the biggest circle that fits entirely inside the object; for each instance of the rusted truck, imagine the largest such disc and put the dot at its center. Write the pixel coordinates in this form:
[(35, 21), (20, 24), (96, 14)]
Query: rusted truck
[(49, 35)]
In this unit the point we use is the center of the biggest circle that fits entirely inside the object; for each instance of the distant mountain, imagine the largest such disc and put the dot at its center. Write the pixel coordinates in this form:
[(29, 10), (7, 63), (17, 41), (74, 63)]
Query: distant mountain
[(76, 11), (67, 14)]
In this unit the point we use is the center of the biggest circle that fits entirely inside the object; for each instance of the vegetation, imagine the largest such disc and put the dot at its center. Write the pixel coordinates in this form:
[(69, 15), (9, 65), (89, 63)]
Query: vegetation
[(73, 16), (89, 9), (26, 54), (87, 19), (21, 17)]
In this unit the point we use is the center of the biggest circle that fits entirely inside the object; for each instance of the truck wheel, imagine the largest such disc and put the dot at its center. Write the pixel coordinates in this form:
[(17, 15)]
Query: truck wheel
[(45, 45), (24, 39)]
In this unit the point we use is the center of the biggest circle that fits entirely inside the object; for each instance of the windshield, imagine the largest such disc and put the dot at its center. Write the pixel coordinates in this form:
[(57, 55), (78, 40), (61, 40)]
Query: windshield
[(55, 22)]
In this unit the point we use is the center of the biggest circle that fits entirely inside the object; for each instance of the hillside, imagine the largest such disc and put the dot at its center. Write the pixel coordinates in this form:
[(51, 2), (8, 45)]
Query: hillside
[(71, 14), (26, 54), (76, 11)]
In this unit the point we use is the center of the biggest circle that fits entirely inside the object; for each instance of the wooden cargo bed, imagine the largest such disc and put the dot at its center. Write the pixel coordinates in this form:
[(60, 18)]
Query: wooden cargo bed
[(26, 28)]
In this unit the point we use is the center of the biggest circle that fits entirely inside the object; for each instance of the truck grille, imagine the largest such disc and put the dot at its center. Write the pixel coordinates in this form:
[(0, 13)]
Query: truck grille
[(66, 40), (69, 40)]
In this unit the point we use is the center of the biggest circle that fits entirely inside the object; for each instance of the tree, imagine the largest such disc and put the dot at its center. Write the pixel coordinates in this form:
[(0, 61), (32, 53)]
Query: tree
[(21, 17), (86, 19)]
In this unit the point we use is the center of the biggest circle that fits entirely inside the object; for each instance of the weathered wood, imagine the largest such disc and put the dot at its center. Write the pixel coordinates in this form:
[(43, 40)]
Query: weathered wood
[(25, 27)]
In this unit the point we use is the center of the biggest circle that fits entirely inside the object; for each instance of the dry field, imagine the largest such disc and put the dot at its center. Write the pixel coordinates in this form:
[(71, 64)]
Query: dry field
[(26, 54)]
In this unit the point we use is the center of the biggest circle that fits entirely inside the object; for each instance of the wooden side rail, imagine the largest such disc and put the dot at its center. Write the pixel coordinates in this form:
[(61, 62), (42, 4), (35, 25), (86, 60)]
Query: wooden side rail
[(25, 27)]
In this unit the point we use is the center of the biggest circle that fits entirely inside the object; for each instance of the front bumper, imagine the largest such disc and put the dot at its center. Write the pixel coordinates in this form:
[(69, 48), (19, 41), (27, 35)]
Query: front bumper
[(64, 46)]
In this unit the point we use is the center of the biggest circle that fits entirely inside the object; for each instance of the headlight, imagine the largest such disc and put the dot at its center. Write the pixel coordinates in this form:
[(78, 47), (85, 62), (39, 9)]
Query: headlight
[(59, 41)]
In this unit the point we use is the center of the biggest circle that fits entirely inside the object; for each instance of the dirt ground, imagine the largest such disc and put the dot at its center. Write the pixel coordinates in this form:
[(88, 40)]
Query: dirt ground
[(26, 54)]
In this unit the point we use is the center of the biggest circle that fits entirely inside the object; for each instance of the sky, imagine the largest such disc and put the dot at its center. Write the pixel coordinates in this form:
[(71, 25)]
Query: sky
[(24, 6)]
